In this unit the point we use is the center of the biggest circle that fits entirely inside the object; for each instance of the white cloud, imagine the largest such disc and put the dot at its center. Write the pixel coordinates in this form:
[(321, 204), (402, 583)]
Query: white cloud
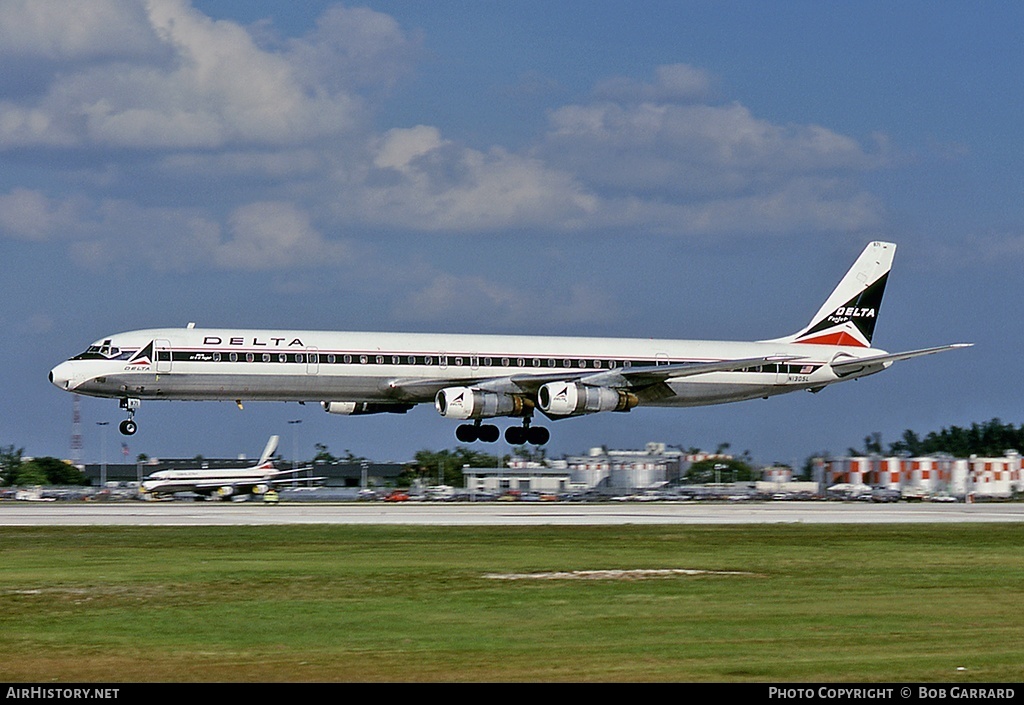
[(280, 131), (425, 182), (354, 48), (58, 30), (672, 82), (258, 236), (209, 84), (399, 147), (271, 235), (692, 149), (701, 168), (31, 215)]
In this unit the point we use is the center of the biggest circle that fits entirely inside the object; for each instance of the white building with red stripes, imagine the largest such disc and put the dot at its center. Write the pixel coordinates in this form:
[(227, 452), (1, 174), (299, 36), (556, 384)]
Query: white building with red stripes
[(928, 475)]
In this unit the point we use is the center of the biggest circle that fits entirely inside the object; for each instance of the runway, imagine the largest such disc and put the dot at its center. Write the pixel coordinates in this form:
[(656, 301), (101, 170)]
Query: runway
[(497, 514)]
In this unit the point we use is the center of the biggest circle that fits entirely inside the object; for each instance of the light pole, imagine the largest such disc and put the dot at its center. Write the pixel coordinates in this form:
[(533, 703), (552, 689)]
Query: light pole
[(103, 450)]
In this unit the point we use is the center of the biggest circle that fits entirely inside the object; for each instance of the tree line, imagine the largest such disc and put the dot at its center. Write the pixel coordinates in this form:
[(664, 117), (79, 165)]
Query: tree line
[(989, 438), (14, 470)]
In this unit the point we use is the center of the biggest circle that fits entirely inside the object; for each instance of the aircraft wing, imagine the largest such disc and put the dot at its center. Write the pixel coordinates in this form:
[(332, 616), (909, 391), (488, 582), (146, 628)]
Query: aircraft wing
[(644, 376), (289, 480), (276, 473), (618, 377), (213, 484), (282, 476), (423, 390), (847, 367)]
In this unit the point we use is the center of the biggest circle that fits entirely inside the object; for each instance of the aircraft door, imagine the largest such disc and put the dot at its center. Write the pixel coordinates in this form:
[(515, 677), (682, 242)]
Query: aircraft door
[(162, 352), (312, 361), (781, 371)]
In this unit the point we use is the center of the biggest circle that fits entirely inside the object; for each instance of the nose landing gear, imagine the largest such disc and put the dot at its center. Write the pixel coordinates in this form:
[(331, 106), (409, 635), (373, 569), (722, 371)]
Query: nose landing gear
[(128, 427)]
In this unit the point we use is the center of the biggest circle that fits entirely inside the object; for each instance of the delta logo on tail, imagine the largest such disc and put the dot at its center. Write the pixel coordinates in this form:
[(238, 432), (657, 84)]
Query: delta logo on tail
[(848, 317), (851, 324)]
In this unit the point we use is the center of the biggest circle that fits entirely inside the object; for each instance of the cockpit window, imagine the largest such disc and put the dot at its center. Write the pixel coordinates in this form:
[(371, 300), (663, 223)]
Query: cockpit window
[(102, 352)]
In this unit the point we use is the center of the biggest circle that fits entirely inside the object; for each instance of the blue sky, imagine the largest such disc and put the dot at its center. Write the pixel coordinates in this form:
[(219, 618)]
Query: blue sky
[(655, 169)]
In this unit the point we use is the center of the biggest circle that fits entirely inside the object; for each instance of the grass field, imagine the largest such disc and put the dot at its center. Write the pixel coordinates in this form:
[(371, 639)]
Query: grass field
[(798, 603)]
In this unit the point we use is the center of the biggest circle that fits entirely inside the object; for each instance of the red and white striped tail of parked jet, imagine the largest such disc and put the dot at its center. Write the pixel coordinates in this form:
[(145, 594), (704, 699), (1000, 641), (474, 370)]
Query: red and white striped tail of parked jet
[(471, 378)]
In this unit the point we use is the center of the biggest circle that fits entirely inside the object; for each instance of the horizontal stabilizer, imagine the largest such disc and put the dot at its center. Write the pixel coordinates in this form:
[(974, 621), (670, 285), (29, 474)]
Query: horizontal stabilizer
[(848, 366)]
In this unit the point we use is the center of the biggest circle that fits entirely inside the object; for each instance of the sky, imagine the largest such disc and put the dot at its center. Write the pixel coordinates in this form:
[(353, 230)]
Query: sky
[(664, 169)]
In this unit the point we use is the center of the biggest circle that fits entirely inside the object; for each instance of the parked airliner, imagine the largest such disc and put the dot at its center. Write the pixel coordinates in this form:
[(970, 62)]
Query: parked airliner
[(226, 484), (476, 377)]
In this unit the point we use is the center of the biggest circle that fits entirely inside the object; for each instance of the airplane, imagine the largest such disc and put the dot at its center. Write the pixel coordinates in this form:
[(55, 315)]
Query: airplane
[(227, 484), (471, 378)]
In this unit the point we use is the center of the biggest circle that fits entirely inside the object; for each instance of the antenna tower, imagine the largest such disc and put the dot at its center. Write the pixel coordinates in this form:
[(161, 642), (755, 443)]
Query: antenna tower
[(76, 431)]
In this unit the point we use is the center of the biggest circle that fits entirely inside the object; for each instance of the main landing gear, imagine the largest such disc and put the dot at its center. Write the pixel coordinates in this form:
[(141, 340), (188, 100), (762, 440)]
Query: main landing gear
[(470, 432), (128, 427), (514, 435), (520, 435)]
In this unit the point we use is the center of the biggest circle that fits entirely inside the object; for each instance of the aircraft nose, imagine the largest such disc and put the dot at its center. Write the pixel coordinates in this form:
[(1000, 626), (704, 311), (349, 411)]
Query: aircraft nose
[(62, 376)]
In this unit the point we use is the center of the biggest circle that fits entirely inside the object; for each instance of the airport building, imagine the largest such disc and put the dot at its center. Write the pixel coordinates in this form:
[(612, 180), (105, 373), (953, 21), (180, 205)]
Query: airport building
[(524, 478), (995, 477), (602, 468)]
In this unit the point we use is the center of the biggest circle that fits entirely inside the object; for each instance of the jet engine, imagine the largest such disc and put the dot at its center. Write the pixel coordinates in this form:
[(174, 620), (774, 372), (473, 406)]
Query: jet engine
[(575, 399), (469, 403), (361, 408)]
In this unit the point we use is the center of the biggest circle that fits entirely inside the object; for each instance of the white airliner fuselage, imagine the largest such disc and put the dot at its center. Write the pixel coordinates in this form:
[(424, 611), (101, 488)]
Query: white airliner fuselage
[(226, 483), (475, 377)]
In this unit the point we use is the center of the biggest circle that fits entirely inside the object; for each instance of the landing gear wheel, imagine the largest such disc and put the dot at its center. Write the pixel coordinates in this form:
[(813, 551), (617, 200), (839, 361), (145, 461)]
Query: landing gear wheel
[(514, 436), (467, 433), (128, 427), (538, 435), (488, 433)]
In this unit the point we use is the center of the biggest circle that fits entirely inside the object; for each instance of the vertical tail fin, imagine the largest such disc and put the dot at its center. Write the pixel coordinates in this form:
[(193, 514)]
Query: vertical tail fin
[(268, 451), (848, 315)]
